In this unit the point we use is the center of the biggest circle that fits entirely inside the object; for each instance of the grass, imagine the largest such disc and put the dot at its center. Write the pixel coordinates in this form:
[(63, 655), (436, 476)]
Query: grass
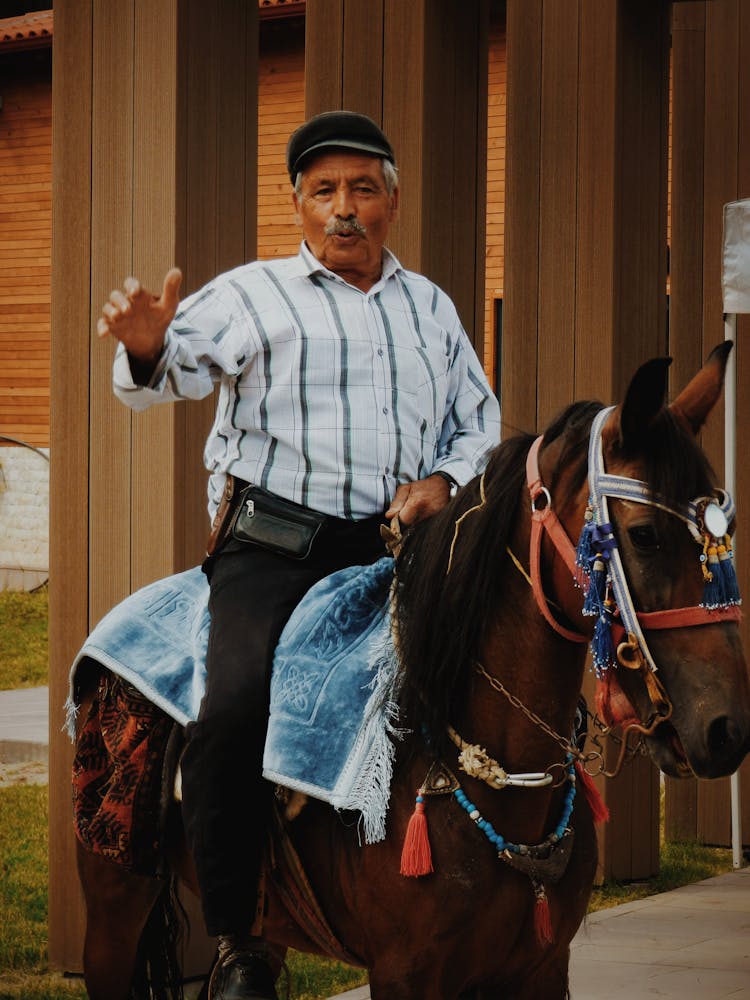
[(679, 864), (23, 639)]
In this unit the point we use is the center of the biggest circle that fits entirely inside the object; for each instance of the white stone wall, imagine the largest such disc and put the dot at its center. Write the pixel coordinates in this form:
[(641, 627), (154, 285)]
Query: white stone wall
[(24, 517)]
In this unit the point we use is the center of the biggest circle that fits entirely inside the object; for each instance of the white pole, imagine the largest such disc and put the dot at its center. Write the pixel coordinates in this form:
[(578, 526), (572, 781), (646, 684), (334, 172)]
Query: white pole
[(730, 478)]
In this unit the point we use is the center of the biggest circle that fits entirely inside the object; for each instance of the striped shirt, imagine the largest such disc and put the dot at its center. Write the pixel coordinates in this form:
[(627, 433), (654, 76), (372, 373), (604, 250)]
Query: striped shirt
[(328, 396)]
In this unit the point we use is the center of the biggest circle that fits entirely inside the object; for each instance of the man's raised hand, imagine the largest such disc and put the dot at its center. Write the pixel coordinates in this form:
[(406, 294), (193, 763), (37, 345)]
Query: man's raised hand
[(139, 319)]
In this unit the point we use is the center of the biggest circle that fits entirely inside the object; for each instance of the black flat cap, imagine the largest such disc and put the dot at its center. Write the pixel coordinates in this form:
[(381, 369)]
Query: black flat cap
[(335, 130)]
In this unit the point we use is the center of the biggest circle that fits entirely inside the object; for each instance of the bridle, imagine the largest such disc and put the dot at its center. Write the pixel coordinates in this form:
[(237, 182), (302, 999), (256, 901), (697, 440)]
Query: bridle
[(628, 625)]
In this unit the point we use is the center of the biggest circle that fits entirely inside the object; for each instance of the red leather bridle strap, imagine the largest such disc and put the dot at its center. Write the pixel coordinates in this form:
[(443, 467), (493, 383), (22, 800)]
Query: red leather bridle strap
[(543, 518)]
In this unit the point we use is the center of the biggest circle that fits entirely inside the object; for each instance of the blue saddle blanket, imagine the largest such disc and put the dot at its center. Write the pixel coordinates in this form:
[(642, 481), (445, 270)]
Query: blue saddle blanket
[(331, 727)]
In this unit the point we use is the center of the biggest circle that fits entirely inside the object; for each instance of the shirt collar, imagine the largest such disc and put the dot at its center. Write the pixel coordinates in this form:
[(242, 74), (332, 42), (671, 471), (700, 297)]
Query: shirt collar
[(311, 265)]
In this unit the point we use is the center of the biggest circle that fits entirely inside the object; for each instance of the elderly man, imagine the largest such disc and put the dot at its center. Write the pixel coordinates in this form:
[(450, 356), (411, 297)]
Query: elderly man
[(348, 391)]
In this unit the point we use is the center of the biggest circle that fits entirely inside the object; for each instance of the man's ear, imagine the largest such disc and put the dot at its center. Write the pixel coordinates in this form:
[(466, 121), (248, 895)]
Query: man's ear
[(295, 202), (394, 206)]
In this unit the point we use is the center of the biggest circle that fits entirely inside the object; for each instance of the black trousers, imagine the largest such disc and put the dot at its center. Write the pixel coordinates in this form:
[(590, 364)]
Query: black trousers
[(226, 802)]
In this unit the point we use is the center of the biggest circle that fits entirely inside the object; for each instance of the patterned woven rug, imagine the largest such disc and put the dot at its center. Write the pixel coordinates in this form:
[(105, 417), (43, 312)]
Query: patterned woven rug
[(118, 777)]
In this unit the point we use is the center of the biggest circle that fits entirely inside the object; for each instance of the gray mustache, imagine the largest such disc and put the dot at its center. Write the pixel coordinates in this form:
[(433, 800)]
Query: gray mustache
[(343, 227)]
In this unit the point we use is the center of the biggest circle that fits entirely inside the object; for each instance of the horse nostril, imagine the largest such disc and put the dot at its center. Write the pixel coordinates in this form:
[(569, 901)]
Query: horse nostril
[(725, 737)]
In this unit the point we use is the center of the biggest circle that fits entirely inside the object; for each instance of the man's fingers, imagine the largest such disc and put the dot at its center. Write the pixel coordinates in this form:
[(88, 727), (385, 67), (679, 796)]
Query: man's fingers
[(120, 301), (170, 293), (132, 287), (399, 499), (102, 327), (111, 313)]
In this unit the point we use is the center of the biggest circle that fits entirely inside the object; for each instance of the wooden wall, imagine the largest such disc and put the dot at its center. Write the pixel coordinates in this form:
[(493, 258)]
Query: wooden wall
[(154, 153), (710, 166), (585, 255), (25, 239)]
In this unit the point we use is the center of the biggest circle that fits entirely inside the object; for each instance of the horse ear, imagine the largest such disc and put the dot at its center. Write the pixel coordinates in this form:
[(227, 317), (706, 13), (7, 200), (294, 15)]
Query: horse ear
[(701, 394), (646, 396)]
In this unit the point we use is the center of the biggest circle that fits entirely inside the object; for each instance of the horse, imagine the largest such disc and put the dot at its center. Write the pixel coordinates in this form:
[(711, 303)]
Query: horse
[(494, 603)]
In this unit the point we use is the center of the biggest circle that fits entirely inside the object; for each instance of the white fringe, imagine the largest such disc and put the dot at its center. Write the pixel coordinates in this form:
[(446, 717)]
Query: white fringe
[(71, 717), (371, 792)]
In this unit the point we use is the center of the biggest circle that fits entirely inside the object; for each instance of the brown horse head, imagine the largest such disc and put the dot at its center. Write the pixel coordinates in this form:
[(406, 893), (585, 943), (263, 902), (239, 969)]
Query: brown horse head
[(702, 668)]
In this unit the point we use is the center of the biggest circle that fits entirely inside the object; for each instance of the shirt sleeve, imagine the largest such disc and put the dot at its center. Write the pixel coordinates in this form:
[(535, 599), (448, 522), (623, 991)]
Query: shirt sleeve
[(471, 424), (204, 341)]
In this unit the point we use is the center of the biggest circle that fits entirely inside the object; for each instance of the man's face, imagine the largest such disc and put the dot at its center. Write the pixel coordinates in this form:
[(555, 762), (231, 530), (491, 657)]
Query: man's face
[(345, 210)]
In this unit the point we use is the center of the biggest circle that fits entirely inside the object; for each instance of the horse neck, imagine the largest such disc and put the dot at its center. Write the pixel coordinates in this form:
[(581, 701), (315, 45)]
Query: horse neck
[(538, 667)]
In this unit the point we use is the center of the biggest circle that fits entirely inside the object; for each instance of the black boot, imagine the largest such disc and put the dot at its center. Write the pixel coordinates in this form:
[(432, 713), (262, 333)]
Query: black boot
[(242, 972)]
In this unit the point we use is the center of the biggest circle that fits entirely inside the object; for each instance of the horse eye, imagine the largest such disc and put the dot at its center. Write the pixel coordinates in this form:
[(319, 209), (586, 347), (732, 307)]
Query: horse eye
[(643, 536)]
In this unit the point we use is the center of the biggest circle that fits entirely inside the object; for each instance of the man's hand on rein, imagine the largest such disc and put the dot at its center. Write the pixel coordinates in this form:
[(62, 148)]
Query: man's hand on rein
[(415, 501)]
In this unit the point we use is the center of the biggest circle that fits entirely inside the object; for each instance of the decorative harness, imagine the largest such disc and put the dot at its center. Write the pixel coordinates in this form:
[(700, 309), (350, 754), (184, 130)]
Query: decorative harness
[(597, 565)]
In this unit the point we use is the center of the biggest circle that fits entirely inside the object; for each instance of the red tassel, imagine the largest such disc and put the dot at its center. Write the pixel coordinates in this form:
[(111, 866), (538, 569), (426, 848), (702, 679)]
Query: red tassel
[(542, 918), (597, 805), (416, 856)]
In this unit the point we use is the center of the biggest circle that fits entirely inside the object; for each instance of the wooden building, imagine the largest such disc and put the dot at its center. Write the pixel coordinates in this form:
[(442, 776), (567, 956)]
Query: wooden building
[(158, 107), (25, 227)]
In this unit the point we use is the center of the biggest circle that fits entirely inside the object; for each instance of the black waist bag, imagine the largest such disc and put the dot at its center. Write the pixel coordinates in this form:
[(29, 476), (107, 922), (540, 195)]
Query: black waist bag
[(280, 525)]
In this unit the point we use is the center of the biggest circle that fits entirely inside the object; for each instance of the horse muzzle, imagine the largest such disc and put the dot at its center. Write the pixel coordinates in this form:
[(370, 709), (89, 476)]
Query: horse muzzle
[(715, 751)]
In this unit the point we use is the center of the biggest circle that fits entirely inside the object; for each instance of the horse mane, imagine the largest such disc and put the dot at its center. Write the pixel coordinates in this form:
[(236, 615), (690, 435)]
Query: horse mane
[(442, 617)]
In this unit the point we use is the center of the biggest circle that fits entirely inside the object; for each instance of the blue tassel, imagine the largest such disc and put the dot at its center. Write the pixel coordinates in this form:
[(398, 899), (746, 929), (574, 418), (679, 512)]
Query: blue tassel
[(713, 591), (728, 575), (594, 602), (602, 645), (585, 550)]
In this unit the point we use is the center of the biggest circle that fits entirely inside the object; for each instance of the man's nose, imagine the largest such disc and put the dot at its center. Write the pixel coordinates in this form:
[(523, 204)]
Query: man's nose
[(343, 206)]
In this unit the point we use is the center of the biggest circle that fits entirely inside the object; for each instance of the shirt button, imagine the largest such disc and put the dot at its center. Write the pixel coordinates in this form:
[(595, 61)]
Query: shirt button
[(385, 409), (380, 352)]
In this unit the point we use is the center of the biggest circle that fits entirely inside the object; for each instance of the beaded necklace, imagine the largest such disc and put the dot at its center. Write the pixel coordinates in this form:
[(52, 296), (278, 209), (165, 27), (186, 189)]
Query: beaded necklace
[(504, 846)]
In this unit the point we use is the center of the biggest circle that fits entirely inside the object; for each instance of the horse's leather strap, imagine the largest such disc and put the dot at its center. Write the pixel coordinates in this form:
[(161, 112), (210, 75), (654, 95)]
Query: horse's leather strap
[(543, 518), (296, 894), (681, 618)]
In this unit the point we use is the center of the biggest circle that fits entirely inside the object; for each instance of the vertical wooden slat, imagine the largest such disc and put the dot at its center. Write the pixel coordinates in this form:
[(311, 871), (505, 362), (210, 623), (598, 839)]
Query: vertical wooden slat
[(725, 57), (558, 209), (686, 249), (742, 347), (641, 314), (597, 182), (686, 274), (153, 211), (403, 111), (324, 56), (111, 261), (522, 178), (71, 258), (362, 74)]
